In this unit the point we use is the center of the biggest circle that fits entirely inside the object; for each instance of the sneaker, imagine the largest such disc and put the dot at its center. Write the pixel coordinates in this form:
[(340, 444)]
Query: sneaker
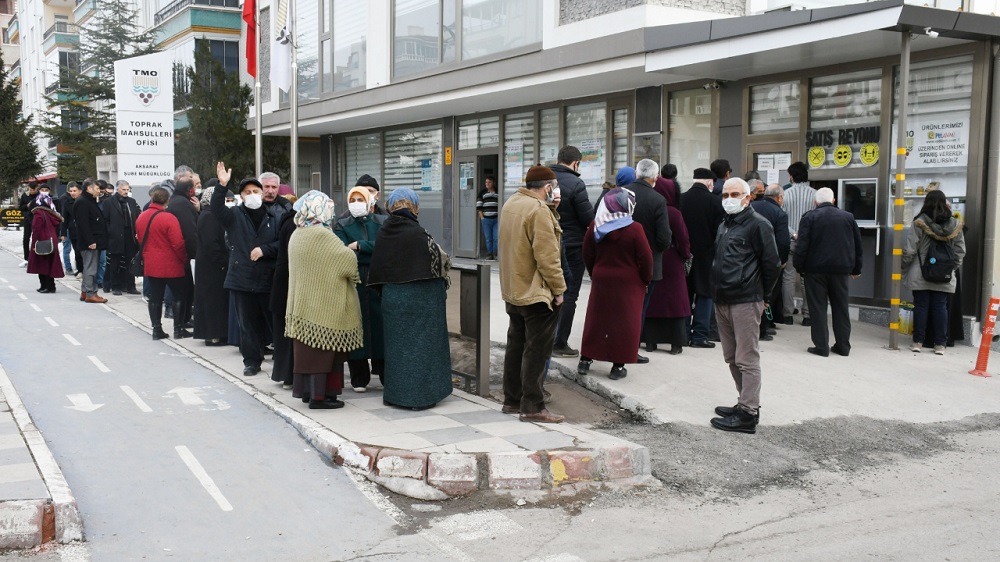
[(583, 366), (360, 389), (726, 411), (23, 264), (618, 373), (564, 351), (916, 347), (739, 421), (938, 350)]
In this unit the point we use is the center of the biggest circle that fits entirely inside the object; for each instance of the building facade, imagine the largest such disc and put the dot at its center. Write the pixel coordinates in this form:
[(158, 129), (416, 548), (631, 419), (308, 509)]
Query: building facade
[(436, 94)]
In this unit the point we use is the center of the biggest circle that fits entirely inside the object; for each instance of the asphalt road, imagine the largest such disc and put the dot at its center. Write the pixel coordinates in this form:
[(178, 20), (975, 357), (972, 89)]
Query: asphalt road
[(166, 459)]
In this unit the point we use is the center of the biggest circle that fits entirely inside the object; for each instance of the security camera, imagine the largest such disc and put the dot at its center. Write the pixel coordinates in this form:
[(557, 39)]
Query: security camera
[(931, 33), (713, 85)]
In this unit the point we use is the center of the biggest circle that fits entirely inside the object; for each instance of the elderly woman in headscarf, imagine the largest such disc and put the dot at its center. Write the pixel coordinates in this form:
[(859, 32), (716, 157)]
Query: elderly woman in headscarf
[(43, 255), (323, 316), (620, 264), (358, 231), (211, 299), (412, 272)]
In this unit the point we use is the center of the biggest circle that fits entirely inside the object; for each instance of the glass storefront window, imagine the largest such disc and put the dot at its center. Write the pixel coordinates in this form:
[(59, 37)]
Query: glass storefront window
[(938, 119), (478, 133), (308, 26), (548, 136), (413, 158), (774, 108), (587, 129), (619, 141), (491, 27), (350, 33), (845, 110), (362, 155), (518, 149), (689, 132), (416, 40)]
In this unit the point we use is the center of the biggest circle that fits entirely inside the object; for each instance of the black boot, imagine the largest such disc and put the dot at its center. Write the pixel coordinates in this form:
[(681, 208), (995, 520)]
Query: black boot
[(155, 318), (741, 421), (179, 331)]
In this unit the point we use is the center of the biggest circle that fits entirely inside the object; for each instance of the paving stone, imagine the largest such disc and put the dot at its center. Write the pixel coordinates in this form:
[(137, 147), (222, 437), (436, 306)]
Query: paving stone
[(488, 445), (541, 441), (509, 427), (456, 406), (573, 466), (454, 474), (515, 471), (394, 463), (451, 435), (482, 416), (390, 413), (617, 462), (426, 423), (406, 441)]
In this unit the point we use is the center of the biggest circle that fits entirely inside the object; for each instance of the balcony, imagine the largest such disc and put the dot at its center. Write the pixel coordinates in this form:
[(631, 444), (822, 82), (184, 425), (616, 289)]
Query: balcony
[(61, 27), (51, 88), (177, 6), (12, 32)]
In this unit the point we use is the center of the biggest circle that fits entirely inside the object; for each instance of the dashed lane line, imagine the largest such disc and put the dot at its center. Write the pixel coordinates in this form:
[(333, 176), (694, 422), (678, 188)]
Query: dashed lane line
[(135, 398), (97, 363), (203, 477), (71, 339), (22, 297), (51, 322), (35, 307), (12, 288)]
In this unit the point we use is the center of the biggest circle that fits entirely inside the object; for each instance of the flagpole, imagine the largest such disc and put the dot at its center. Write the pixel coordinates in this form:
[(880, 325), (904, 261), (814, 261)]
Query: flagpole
[(258, 138), (294, 119)]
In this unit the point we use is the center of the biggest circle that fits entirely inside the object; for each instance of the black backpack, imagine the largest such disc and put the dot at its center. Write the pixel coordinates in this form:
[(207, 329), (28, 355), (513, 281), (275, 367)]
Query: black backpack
[(939, 264)]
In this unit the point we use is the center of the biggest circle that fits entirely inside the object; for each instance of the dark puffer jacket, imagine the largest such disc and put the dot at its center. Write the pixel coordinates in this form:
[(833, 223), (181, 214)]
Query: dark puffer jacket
[(245, 274), (575, 211), (90, 223), (746, 259), (180, 206)]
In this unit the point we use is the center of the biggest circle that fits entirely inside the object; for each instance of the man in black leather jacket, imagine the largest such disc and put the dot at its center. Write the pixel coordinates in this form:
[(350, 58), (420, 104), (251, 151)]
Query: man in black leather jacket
[(575, 215), (744, 271)]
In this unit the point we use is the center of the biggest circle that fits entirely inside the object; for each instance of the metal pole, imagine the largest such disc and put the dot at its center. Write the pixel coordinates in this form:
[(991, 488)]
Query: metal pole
[(992, 189), (294, 152), (258, 139), (897, 210)]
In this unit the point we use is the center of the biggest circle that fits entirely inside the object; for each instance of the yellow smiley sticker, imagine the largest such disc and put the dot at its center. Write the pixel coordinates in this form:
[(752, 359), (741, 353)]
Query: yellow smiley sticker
[(817, 156), (842, 155), (869, 154)]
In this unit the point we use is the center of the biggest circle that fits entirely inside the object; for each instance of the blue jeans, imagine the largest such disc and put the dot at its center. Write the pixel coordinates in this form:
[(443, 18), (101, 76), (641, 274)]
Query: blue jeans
[(491, 230), (701, 319), (930, 306), (102, 264), (67, 245)]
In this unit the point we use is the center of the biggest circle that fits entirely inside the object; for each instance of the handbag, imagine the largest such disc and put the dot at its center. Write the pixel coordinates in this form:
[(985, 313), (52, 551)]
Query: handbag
[(138, 266), (45, 247)]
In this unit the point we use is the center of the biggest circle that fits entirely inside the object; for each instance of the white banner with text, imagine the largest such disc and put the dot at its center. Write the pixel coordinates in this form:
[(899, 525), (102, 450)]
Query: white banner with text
[(144, 100)]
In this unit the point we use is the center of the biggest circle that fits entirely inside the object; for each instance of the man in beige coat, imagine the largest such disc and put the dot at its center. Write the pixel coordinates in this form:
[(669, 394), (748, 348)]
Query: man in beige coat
[(532, 284)]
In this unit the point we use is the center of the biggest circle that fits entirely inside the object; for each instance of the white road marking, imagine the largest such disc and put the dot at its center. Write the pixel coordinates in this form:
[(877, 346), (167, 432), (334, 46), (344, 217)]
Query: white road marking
[(97, 363), (447, 548), (221, 404), (12, 288), (2, 280), (477, 525), (35, 307), (189, 396), (82, 403), (203, 477), (51, 322), (71, 339), (135, 398), (21, 295)]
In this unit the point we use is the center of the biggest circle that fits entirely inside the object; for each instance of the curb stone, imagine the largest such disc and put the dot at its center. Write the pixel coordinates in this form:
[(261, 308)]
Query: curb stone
[(31, 523), (437, 476)]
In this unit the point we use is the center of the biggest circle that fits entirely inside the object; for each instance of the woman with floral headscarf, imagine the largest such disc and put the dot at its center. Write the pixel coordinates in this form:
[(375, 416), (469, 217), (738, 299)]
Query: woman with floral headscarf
[(45, 221), (358, 230), (323, 316), (411, 271), (620, 264)]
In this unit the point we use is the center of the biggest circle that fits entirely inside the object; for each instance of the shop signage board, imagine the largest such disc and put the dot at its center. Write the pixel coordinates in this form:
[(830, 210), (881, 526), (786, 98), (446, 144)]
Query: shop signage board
[(144, 104), (937, 141), (847, 147), (11, 217)]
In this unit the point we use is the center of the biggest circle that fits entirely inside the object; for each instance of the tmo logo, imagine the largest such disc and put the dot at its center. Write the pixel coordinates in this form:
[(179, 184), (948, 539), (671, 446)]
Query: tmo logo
[(145, 85)]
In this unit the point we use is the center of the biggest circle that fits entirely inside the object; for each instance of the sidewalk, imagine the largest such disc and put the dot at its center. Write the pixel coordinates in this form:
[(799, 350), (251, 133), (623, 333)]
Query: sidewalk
[(462, 445), (796, 386)]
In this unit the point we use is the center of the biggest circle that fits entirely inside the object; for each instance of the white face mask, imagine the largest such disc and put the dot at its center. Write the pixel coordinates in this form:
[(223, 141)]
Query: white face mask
[(358, 208), (253, 201), (230, 203), (732, 205)]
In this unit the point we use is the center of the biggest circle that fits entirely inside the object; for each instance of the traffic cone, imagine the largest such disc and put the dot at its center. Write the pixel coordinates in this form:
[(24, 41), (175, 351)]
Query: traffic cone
[(987, 341)]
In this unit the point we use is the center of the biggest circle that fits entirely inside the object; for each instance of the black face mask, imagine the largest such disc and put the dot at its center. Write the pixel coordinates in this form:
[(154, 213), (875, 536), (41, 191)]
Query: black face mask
[(758, 197)]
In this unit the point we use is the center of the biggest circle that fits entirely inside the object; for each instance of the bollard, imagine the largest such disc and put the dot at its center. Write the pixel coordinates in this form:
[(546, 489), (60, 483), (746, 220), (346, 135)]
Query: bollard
[(984, 345)]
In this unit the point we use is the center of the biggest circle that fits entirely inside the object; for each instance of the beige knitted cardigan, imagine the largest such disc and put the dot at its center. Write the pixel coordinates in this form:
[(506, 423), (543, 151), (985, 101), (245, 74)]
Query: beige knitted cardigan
[(323, 309)]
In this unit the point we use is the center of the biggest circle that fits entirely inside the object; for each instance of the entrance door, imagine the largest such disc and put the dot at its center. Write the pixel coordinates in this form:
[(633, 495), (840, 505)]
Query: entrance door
[(471, 179)]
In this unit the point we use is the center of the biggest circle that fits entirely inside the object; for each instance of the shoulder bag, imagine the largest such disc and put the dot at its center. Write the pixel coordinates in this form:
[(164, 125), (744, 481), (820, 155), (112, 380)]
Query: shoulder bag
[(138, 266)]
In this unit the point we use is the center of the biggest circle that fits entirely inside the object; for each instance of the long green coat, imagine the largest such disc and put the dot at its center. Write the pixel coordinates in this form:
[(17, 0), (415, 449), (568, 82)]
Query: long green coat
[(364, 230)]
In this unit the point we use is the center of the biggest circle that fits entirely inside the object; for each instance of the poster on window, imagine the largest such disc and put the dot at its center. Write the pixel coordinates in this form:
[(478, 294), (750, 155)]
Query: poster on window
[(937, 141), (592, 162), (514, 164)]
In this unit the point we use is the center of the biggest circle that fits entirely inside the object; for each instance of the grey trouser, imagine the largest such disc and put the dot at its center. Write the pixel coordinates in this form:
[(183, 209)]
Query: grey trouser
[(788, 287), (739, 327), (88, 283)]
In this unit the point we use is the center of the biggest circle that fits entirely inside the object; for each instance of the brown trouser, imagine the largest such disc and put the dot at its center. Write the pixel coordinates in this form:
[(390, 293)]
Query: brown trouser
[(530, 335), (739, 325)]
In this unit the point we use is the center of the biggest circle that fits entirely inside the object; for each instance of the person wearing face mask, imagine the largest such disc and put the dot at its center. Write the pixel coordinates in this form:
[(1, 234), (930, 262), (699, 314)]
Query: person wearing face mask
[(372, 186), (252, 233), (358, 232), (702, 212), (744, 272)]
